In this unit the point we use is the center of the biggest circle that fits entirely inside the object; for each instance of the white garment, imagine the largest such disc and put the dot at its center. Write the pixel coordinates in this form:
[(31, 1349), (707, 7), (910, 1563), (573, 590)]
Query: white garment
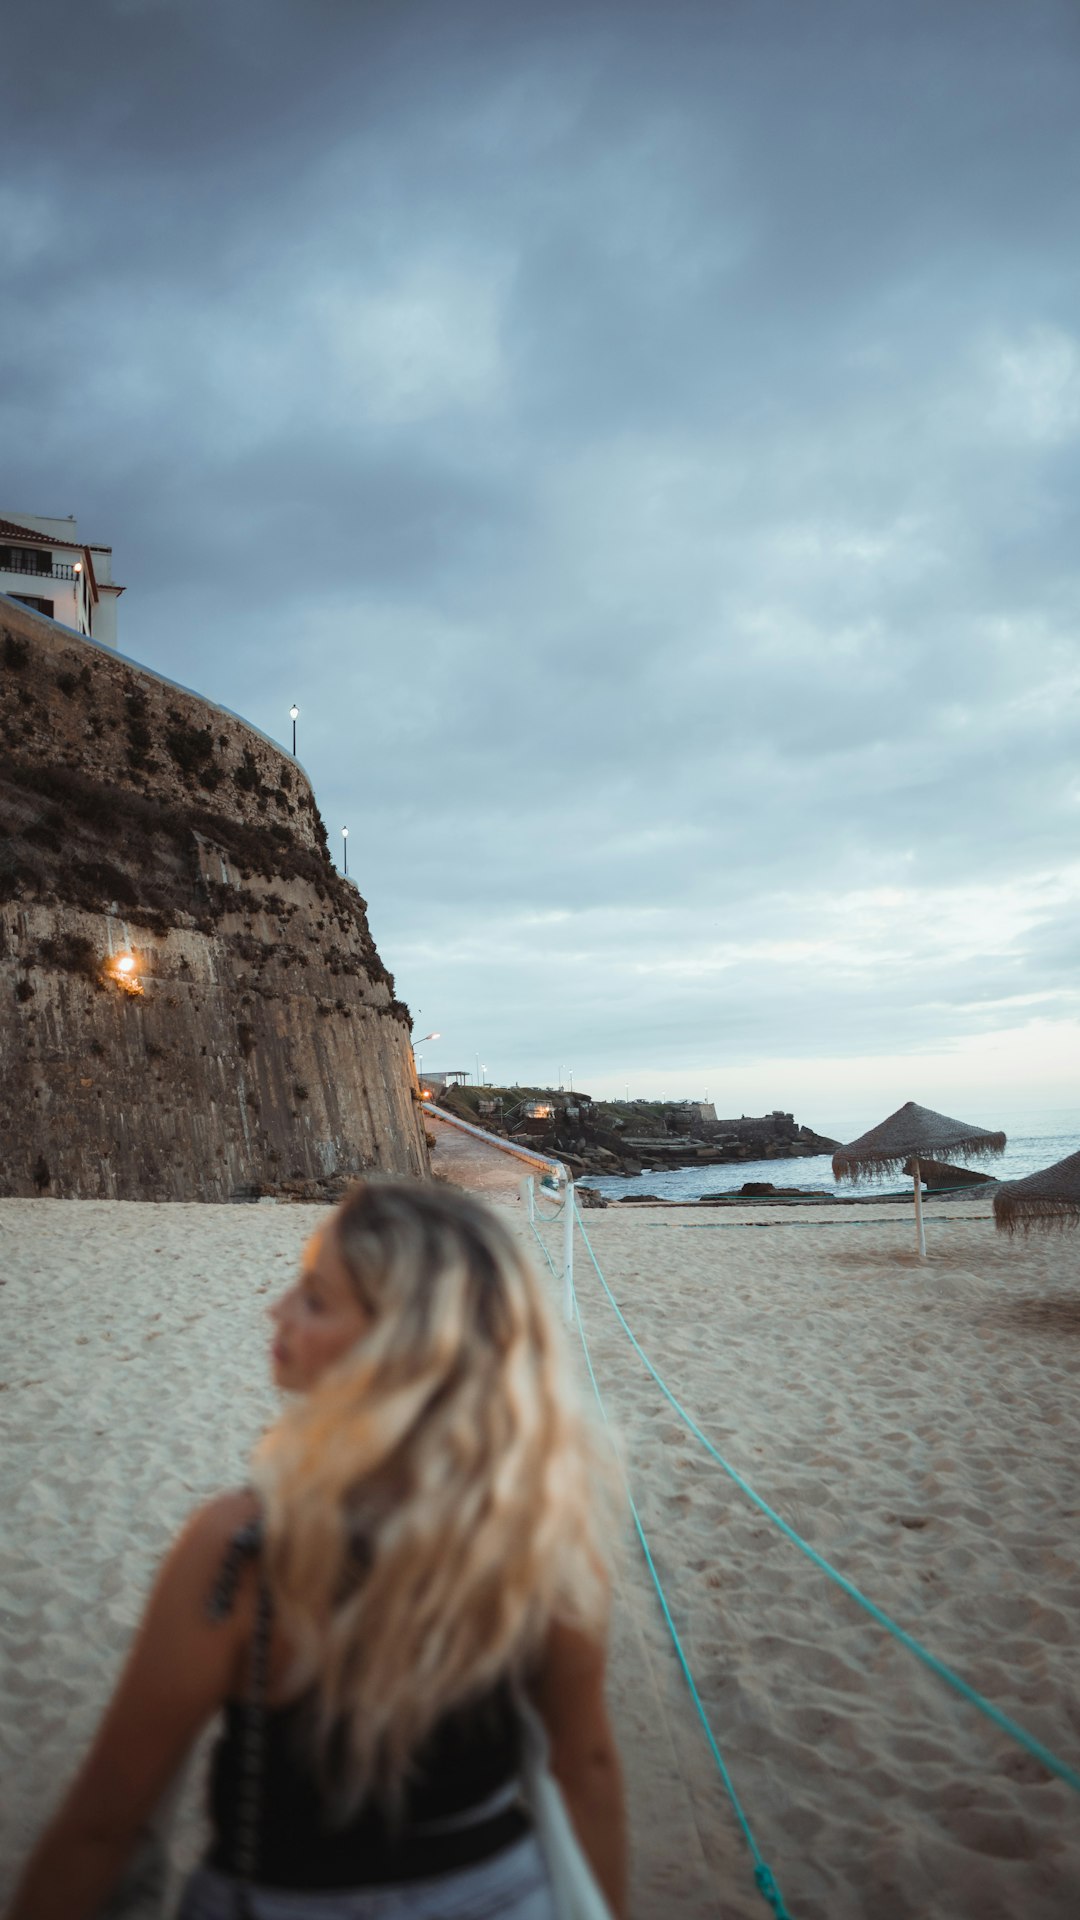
[(576, 1893)]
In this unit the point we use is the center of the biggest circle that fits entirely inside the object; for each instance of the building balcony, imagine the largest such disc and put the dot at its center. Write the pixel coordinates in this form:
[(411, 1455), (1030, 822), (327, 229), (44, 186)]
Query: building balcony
[(56, 571)]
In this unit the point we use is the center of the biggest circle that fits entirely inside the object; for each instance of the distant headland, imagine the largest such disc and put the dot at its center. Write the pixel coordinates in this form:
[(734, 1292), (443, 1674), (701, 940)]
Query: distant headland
[(629, 1136)]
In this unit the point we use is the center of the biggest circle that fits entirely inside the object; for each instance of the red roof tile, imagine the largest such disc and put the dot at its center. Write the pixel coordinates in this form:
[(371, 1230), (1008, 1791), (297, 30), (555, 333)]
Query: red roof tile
[(10, 530)]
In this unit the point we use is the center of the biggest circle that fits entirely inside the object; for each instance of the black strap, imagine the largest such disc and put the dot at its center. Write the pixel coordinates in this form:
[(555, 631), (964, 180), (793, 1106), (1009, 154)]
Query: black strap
[(245, 1545), (252, 1753)]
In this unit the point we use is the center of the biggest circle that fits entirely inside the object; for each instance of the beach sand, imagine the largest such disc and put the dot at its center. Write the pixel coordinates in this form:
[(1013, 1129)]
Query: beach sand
[(918, 1423)]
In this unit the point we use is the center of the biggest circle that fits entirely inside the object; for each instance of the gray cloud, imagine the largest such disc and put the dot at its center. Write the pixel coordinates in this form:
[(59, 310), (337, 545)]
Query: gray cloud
[(645, 440)]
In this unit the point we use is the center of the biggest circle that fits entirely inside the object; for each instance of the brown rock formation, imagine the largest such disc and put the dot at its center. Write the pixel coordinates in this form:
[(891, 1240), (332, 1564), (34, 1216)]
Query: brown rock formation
[(942, 1174), (256, 1042)]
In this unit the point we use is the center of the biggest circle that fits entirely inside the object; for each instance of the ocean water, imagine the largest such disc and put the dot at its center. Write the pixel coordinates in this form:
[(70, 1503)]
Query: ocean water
[(1035, 1141)]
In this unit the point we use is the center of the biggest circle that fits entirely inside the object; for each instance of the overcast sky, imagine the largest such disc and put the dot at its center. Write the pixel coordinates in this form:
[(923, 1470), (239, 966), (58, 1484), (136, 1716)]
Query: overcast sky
[(645, 441)]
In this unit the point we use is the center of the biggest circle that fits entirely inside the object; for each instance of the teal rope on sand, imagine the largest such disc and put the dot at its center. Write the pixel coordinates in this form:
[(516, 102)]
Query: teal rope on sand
[(763, 1875), (819, 1226), (1035, 1747)]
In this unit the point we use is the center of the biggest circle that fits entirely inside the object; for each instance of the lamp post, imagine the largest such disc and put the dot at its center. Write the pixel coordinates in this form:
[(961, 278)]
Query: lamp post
[(418, 1057), (294, 715), (345, 844)]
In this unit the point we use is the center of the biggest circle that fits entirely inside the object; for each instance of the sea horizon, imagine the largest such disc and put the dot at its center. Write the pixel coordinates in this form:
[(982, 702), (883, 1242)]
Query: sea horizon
[(1036, 1140)]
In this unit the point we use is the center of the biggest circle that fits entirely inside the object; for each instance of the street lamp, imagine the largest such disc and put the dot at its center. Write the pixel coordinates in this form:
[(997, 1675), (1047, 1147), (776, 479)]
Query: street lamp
[(345, 844), (419, 1058), (294, 715)]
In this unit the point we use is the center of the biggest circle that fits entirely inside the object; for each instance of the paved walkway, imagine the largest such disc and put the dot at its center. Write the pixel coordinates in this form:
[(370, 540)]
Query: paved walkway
[(471, 1163)]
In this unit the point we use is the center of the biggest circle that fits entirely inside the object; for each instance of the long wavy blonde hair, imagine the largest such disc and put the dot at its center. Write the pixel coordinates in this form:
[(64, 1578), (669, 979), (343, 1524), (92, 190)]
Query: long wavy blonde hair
[(438, 1499)]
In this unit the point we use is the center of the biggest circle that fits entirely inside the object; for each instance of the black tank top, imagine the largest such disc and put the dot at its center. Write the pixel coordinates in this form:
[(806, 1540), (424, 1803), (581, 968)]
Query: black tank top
[(471, 1759)]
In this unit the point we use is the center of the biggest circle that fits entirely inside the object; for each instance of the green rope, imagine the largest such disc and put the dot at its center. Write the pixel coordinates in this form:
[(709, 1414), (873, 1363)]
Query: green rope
[(548, 1187), (820, 1226), (1035, 1747), (763, 1876), (555, 1214)]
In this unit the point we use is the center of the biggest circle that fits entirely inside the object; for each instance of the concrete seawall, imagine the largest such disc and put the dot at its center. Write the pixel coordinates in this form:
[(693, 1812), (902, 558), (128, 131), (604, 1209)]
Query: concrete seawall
[(256, 1040)]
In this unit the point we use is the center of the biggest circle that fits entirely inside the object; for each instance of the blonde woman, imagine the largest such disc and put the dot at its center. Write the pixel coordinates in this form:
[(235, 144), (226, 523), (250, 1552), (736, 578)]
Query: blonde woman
[(417, 1556)]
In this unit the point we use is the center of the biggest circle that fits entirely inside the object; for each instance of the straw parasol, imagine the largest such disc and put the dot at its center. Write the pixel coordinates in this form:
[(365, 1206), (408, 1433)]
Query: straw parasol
[(912, 1133), (1048, 1199)]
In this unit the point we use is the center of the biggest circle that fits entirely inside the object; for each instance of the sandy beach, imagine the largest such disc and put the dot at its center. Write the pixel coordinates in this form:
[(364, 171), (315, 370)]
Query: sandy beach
[(917, 1423)]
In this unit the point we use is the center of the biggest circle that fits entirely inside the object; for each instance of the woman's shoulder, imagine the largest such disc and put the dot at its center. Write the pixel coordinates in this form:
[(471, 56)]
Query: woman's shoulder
[(227, 1513), (217, 1522), (223, 1529)]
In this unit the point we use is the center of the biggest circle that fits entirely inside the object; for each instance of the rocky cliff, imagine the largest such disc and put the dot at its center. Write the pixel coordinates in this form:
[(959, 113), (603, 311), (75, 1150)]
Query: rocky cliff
[(191, 1003), (605, 1136)]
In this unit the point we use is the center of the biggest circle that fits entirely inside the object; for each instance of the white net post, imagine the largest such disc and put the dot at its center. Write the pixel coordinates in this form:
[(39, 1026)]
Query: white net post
[(568, 1253), (920, 1230)]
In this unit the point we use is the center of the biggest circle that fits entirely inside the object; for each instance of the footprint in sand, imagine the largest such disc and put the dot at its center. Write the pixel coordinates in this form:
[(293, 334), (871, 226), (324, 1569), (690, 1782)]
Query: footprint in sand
[(1002, 1836)]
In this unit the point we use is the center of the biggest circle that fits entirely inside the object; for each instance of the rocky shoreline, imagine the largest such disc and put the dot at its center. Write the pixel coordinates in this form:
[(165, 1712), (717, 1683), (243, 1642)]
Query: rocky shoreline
[(751, 1194), (631, 1137)]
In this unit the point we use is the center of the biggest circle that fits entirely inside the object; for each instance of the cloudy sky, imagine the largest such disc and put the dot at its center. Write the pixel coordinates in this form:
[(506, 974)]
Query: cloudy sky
[(644, 438)]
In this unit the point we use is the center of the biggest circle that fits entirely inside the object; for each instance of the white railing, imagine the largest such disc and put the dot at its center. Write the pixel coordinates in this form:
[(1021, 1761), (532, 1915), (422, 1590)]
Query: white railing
[(58, 571)]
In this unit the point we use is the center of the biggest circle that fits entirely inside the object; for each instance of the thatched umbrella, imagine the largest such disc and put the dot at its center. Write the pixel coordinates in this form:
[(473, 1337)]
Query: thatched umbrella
[(1047, 1199), (912, 1133)]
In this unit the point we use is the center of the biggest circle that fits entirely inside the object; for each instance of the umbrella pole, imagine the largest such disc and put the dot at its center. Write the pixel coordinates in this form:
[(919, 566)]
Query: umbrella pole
[(920, 1230)]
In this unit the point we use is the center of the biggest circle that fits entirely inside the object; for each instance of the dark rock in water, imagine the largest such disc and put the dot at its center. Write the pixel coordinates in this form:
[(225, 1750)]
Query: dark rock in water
[(936, 1174), (765, 1191), (590, 1197), (640, 1200)]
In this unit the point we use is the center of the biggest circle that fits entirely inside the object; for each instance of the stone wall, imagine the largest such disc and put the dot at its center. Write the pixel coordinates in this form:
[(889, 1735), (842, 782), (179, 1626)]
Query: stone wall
[(256, 1043)]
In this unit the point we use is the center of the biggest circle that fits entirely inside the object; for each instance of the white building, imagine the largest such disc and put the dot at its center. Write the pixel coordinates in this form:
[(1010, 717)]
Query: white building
[(44, 564)]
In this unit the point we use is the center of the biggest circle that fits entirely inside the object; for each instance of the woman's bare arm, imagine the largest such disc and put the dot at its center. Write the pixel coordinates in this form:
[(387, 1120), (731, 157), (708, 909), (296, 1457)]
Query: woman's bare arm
[(179, 1671), (569, 1694)]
